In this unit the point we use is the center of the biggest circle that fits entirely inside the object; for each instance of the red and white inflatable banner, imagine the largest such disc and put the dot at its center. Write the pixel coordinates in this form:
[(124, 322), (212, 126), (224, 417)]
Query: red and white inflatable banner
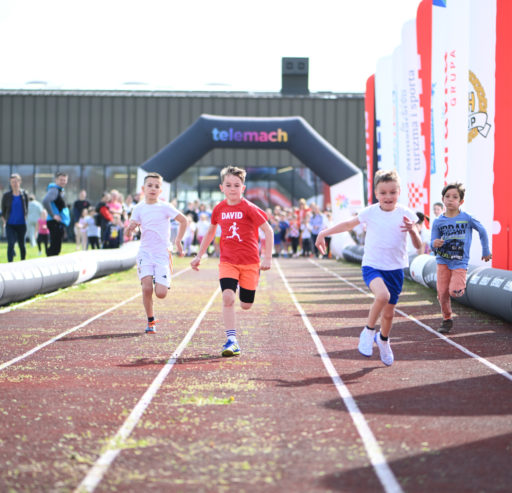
[(479, 180), (417, 194), (369, 123), (384, 112), (502, 238)]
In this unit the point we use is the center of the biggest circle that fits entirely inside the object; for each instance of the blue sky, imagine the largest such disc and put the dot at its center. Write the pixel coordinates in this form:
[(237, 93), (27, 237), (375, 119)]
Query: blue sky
[(180, 45)]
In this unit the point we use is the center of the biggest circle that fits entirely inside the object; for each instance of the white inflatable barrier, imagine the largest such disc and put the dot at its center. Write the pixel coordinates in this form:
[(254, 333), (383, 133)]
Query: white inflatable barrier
[(488, 290), (22, 280)]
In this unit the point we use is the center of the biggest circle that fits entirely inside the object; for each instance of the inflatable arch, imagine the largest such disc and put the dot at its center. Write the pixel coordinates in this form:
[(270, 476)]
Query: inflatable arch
[(281, 133), (290, 133)]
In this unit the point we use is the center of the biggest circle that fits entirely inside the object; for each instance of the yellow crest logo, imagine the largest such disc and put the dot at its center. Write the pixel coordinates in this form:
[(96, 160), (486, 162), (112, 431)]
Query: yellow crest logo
[(477, 119)]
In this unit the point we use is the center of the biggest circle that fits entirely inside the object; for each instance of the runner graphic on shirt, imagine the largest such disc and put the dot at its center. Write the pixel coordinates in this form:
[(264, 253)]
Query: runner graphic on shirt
[(234, 228)]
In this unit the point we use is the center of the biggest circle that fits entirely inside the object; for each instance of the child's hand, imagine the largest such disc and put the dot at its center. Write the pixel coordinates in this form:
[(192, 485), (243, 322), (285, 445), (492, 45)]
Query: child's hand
[(438, 242), (407, 225), (487, 257), (265, 263), (179, 248), (195, 262), (320, 243)]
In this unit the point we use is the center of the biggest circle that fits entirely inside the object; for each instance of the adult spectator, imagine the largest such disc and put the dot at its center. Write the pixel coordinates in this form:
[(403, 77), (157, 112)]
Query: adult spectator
[(34, 213), (58, 212), (316, 223), (104, 215), (14, 212), (78, 206)]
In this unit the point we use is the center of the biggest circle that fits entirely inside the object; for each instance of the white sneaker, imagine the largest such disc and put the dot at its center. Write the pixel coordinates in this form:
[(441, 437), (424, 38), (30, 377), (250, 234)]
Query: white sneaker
[(386, 355), (366, 342)]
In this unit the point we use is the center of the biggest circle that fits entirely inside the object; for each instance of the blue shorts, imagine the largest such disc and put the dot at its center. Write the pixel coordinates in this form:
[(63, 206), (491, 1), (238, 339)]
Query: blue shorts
[(393, 279)]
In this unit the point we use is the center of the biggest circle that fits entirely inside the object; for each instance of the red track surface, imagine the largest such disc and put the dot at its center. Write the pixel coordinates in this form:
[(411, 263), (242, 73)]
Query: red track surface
[(270, 420)]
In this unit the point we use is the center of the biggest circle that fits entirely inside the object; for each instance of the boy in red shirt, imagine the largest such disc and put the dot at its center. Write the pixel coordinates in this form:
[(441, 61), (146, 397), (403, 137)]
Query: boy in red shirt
[(240, 262)]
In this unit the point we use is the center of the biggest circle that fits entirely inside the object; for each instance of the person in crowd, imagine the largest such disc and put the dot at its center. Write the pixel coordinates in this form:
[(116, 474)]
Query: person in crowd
[(78, 207), (190, 235), (305, 234), (202, 227), (438, 209), (316, 223), (104, 215), (283, 226), (385, 255), (452, 233), (114, 234), (294, 234), (93, 230), (43, 233), (240, 264), (34, 213), (153, 217), (328, 223), (14, 213), (58, 212)]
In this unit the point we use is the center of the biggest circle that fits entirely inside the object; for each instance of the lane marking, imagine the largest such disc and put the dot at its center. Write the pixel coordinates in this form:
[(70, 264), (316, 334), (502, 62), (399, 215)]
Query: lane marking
[(377, 459), (115, 444), (5, 365), (466, 351)]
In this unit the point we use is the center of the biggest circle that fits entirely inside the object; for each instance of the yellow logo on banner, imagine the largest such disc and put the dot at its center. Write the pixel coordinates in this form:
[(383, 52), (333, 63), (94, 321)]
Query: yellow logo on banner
[(477, 119)]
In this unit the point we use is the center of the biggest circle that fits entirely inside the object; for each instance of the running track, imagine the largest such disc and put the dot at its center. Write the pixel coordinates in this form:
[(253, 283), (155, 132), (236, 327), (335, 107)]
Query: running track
[(90, 403)]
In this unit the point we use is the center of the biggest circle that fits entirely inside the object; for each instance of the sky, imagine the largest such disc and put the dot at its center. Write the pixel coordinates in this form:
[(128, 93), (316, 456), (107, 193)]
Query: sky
[(195, 45)]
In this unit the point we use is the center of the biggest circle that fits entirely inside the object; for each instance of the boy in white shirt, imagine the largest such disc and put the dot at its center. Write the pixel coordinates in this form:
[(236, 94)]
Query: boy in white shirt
[(154, 256), (384, 258)]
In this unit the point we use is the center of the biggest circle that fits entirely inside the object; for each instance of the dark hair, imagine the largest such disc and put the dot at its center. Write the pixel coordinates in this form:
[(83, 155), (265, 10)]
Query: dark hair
[(422, 217), (60, 173), (456, 186)]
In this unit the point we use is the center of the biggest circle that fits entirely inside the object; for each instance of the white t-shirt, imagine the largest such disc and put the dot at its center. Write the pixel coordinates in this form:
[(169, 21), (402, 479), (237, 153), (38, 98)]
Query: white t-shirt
[(155, 225), (385, 246)]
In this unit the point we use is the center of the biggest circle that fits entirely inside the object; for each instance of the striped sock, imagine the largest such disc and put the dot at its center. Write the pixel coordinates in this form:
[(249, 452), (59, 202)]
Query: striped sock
[(231, 334)]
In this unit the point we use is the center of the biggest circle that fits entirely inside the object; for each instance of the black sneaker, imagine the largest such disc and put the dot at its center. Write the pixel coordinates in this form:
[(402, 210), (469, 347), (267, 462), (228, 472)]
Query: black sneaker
[(445, 326)]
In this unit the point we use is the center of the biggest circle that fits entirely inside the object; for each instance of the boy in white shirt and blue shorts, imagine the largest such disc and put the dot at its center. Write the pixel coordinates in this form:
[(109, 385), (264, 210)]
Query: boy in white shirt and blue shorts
[(385, 256), (154, 216)]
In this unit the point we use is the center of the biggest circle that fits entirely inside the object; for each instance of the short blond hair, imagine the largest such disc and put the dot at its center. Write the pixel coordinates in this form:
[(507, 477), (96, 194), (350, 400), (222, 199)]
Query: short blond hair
[(385, 176), (153, 174), (233, 170)]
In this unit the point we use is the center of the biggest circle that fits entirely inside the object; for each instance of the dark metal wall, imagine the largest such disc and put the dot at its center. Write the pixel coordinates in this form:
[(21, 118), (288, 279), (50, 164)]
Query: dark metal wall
[(126, 128)]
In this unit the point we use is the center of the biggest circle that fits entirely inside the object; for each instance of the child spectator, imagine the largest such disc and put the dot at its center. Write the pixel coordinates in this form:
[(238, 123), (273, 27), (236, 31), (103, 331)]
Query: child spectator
[(43, 233), (190, 234), (153, 216), (451, 241), (93, 231), (384, 258), (305, 231), (240, 264), (114, 234)]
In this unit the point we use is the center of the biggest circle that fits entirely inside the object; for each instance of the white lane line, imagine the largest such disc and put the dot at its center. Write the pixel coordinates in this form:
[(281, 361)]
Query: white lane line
[(5, 365), (377, 459), (115, 444), (481, 360)]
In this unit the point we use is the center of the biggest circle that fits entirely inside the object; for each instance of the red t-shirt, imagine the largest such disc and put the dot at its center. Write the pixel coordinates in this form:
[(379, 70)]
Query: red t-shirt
[(239, 237)]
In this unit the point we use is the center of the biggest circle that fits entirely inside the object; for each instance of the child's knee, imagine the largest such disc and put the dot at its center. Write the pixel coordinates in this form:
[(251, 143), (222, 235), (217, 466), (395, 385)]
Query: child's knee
[(228, 297), (382, 297), (456, 293), (245, 306)]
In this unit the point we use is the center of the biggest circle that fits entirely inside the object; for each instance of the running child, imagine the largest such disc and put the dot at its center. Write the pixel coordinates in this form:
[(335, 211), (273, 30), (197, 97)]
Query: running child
[(154, 255), (385, 255), (240, 263), (451, 241)]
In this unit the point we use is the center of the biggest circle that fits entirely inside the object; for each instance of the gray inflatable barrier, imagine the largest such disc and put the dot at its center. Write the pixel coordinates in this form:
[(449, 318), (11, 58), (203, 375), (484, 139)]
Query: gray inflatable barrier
[(488, 290), (22, 280)]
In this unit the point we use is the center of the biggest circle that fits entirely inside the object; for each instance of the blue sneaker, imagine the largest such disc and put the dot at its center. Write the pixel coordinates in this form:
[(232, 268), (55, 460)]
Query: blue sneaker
[(151, 328), (231, 348)]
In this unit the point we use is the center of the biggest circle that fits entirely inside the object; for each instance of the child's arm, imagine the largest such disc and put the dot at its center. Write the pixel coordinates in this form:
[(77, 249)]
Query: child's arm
[(435, 238), (182, 220), (346, 225), (484, 239), (411, 228), (208, 238), (266, 261)]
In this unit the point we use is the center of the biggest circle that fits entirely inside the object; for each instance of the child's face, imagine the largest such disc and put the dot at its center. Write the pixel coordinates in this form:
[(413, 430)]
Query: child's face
[(387, 193), (233, 189), (438, 210), (451, 200), (152, 189)]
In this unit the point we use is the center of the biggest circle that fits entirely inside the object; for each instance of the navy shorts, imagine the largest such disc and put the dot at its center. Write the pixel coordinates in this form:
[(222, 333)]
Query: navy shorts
[(393, 279)]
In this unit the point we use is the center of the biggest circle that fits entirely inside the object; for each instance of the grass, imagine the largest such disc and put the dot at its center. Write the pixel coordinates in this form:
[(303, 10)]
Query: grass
[(32, 252)]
